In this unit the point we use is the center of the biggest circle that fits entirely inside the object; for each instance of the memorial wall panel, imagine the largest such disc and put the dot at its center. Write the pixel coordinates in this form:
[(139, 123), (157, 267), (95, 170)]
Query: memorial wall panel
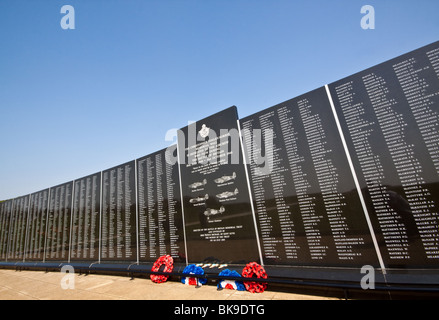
[(36, 227), (218, 216), (5, 218), (390, 119), (18, 228), (86, 218), (58, 222), (307, 206), (160, 221), (118, 222), (3, 226)]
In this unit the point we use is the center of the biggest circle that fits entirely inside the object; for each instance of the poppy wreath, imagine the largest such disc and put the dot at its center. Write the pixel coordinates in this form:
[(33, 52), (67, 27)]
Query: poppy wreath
[(168, 262), (251, 269)]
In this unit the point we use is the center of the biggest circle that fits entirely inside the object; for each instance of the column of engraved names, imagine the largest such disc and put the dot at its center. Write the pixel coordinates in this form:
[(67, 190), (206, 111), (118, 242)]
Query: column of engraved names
[(82, 218), (6, 223), (407, 164), (278, 181), (311, 219), (20, 212), (32, 227), (78, 206), (269, 242), (161, 214), (37, 228), (152, 205), (88, 211), (30, 230), (85, 231), (143, 207), (433, 56), (120, 203), (118, 236), (94, 211), (172, 210), (108, 216), (64, 220), (59, 222), (423, 105), (124, 202), (275, 245), (158, 231), (5, 213), (362, 132), (3, 227), (54, 229), (13, 233), (43, 206), (50, 225), (328, 180)]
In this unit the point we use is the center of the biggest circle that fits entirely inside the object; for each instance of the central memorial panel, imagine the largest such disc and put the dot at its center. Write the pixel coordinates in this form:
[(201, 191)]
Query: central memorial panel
[(218, 215)]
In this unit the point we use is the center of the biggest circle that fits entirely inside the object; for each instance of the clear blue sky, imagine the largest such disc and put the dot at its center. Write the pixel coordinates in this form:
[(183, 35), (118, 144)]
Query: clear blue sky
[(75, 102)]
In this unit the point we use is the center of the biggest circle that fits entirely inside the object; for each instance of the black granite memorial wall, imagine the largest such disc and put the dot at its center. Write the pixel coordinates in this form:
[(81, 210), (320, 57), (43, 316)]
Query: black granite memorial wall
[(343, 176)]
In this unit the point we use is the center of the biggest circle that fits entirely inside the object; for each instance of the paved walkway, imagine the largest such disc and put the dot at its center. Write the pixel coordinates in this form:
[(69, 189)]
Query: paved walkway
[(39, 285)]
